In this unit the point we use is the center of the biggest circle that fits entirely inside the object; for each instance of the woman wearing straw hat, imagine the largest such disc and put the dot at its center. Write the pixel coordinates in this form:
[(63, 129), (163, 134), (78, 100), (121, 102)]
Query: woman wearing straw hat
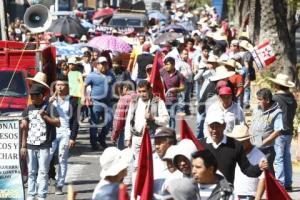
[(288, 105)]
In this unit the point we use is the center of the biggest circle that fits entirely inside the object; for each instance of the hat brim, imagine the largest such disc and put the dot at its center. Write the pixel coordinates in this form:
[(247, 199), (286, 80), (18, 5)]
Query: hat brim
[(221, 76), (38, 81), (114, 170), (243, 138), (290, 84)]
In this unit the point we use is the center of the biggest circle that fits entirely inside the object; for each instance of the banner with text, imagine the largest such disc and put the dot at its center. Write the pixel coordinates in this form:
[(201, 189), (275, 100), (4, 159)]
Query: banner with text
[(11, 184)]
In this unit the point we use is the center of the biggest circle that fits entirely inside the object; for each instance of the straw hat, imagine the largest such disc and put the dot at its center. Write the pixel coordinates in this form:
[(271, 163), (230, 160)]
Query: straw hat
[(221, 73), (72, 60), (41, 78), (246, 45), (240, 132), (212, 59), (231, 63), (283, 80)]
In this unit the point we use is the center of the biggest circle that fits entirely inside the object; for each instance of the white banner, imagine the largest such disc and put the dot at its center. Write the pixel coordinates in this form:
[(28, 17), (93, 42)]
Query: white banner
[(11, 184)]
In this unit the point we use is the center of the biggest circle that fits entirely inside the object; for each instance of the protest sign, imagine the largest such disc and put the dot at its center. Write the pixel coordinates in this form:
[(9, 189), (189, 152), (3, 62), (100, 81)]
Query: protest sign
[(11, 184)]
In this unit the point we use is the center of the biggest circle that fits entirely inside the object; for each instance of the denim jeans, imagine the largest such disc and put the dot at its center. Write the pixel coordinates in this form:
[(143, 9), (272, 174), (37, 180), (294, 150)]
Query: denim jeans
[(172, 110), (200, 124), (38, 167), (97, 110), (283, 163), (62, 143), (185, 97), (121, 139), (247, 93)]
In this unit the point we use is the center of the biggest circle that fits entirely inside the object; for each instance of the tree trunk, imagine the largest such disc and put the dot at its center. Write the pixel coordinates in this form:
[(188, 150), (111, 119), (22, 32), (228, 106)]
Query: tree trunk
[(273, 20)]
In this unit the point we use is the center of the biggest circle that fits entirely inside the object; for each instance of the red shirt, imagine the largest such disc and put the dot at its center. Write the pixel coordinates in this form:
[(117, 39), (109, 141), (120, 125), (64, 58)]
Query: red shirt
[(238, 83)]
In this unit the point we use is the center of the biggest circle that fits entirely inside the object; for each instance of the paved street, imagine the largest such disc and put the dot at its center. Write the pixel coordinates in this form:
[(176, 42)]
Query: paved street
[(83, 169)]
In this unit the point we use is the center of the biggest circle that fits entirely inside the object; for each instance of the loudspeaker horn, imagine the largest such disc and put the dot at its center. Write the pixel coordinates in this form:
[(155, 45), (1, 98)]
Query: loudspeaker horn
[(37, 18)]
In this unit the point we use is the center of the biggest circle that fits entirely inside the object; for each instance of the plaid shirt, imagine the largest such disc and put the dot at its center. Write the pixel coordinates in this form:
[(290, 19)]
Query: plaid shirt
[(120, 114)]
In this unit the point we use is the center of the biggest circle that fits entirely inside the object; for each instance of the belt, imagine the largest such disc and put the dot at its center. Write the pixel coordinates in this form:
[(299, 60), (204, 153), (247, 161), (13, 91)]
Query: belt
[(246, 197)]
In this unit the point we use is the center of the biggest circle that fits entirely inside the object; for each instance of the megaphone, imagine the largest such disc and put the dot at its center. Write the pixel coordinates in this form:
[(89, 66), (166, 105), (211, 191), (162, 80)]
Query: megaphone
[(37, 18)]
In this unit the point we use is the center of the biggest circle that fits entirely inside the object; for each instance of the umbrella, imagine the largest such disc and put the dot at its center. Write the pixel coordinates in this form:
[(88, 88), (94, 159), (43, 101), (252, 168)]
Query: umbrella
[(176, 27), (157, 15), (188, 25), (66, 26), (108, 42), (64, 49), (103, 12), (167, 37)]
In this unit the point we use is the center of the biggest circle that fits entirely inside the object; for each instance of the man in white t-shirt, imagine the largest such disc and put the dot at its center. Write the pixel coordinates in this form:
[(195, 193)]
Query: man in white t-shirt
[(247, 188)]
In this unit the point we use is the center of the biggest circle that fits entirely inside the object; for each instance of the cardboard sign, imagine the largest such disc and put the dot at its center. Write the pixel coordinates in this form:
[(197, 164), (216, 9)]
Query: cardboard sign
[(11, 184)]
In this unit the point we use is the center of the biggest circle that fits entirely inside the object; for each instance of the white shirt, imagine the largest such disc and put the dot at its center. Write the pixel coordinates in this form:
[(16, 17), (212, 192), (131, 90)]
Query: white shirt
[(215, 145), (160, 172), (244, 185), (233, 115), (139, 119), (185, 69), (63, 108), (205, 190)]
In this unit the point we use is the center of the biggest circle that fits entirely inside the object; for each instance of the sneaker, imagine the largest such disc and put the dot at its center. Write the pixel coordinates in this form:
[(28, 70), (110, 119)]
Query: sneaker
[(289, 188), (58, 191), (30, 198)]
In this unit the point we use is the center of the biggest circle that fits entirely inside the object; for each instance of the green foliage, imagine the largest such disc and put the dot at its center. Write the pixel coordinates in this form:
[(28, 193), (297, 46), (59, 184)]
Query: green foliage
[(194, 4)]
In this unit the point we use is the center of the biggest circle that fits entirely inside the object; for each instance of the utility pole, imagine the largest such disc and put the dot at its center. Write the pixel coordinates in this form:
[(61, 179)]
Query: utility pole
[(3, 20)]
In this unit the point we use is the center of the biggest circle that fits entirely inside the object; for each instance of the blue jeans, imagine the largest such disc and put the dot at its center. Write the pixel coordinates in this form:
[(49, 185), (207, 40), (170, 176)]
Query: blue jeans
[(200, 124), (100, 110), (121, 139), (62, 143), (283, 163), (172, 109), (247, 93), (185, 97), (38, 167)]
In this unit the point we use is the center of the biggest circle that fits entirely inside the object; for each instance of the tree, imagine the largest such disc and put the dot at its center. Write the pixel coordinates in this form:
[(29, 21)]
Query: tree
[(274, 20)]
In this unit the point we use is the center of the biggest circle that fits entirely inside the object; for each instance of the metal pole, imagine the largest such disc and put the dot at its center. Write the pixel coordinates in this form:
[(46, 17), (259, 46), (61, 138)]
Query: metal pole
[(3, 21)]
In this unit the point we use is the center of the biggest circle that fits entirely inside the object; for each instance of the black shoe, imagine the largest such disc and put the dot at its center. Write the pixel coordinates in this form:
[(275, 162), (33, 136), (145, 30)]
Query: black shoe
[(102, 143), (289, 189), (95, 148)]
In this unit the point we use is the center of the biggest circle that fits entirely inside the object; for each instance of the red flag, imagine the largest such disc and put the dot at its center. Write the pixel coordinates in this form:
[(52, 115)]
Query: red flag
[(155, 79), (274, 189), (187, 133), (123, 195), (263, 55), (144, 176)]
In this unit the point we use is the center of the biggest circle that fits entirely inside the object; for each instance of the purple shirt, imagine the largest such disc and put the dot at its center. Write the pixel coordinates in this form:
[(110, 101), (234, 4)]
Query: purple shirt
[(171, 81)]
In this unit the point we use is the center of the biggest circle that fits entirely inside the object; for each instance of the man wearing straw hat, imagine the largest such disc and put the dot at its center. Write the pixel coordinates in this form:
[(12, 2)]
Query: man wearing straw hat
[(38, 132), (245, 187), (288, 105)]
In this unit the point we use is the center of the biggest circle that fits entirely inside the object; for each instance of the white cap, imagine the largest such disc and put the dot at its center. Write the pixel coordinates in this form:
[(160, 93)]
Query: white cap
[(170, 153), (113, 161), (102, 59), (216, 116)]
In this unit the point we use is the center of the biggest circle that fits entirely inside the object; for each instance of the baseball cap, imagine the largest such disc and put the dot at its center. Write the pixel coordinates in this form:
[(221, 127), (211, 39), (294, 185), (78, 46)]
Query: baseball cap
[(221, 84), (216, 116), (225, 91), (102, 59), (165, 132)]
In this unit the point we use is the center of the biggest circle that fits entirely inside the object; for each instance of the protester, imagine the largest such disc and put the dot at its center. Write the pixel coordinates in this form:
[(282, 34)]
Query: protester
[(101, 82), (114, 164), (246, 187), (39, 119), (288, 105), (174, 84), (228, 151), (266, 124), (210, 184), (66, 134)]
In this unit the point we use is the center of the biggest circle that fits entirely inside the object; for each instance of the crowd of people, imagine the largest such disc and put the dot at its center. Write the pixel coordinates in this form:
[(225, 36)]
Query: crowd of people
[(210, 68)]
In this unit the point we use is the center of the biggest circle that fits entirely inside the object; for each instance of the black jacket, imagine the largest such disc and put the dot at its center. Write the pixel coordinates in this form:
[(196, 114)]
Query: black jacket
[(288, 105), (223, 190)]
